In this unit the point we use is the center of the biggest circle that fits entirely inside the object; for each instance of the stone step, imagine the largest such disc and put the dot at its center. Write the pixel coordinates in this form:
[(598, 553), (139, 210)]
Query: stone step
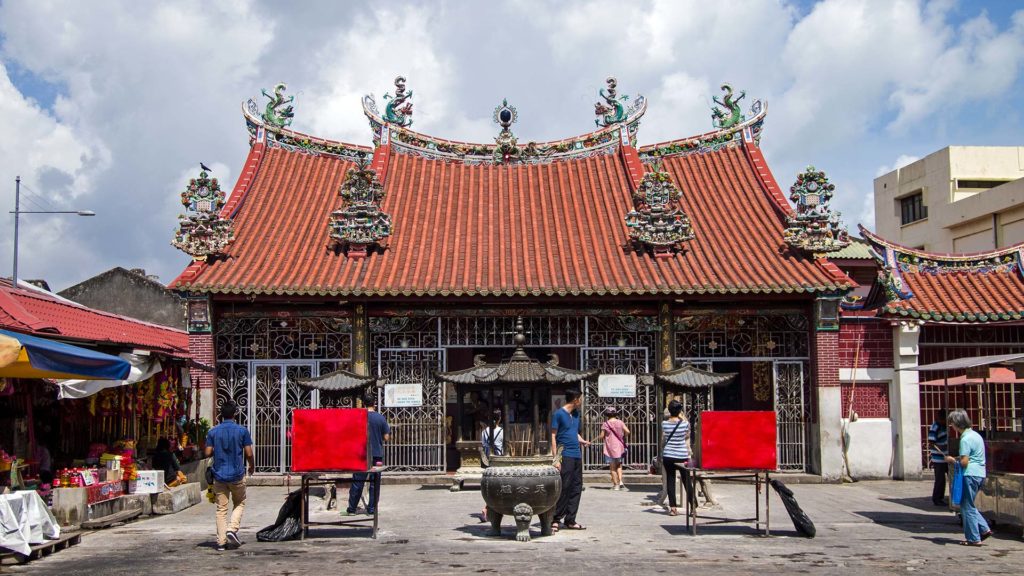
[(111, 519), (177, 499)]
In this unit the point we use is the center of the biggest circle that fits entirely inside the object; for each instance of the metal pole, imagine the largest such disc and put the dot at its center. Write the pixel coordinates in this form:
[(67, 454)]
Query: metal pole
[(17, 207)]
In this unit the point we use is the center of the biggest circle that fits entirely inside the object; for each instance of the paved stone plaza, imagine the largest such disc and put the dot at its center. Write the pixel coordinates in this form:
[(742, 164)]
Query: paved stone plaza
[(874, 527)]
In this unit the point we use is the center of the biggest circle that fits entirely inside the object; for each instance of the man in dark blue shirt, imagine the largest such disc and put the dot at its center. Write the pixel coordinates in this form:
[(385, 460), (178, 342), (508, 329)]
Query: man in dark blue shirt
[(379, 432), (565, 435), (229, 443)]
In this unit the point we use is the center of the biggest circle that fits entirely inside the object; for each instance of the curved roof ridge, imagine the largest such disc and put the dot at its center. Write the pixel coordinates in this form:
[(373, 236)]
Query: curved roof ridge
[(287, 138), (940, 256), (713, 140)]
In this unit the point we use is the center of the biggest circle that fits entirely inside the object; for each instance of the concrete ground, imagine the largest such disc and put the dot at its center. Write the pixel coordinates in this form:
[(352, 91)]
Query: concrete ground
[(871, 527)]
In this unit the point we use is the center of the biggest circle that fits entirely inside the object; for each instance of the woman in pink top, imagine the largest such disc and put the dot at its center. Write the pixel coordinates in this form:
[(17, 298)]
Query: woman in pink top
[(613, 433)]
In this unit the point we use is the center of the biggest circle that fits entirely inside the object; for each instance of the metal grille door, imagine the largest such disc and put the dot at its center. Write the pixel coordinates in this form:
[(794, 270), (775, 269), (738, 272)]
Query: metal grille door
[(791, 415), (417, 433), (265, 416), (637, 413)]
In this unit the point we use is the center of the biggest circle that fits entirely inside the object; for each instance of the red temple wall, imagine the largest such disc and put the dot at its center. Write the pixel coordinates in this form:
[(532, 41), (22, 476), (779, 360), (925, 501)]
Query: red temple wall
[(874, 337)]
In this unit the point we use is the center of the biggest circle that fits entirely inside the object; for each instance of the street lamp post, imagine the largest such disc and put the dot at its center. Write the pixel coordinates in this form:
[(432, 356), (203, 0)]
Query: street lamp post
[(18, 211)]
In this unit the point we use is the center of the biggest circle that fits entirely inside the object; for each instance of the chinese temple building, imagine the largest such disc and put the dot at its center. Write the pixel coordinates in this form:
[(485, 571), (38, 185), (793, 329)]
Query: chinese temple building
[(415, 256)]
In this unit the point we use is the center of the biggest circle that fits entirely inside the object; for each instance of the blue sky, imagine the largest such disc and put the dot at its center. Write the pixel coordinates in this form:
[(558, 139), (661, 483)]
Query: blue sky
[(110, 106)]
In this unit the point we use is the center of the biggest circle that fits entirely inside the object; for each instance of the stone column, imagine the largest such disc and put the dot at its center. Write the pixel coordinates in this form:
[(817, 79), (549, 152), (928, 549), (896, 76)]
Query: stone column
[(905, 402), (360, 341), (827, 440)]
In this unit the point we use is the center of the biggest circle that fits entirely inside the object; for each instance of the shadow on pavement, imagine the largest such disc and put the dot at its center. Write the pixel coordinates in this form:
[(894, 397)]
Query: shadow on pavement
[(923, 503), (912, 521), (721, 529)]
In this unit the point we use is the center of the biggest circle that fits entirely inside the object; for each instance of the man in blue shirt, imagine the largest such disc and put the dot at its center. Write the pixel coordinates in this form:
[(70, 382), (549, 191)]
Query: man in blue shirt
[(379, 432), (228, 443), (565, 435), (938, 441)]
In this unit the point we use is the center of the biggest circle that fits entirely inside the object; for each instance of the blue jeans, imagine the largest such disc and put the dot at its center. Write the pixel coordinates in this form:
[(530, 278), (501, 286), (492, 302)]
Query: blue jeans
[(356, 490), (974, 523)]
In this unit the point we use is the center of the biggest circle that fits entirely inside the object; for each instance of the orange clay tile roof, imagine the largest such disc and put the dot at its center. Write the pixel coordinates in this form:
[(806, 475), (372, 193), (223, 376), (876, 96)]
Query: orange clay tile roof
[(955, 288), (529, 229)]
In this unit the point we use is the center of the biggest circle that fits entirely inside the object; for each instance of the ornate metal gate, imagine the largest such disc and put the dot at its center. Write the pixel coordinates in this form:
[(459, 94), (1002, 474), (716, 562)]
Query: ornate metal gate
[(417, 433), (276, 394), (637, 413), (791, 415)]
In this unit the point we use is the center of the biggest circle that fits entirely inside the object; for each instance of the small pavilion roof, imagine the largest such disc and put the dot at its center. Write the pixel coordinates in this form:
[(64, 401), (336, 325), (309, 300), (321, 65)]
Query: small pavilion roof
[(337, 381), (689, 376)]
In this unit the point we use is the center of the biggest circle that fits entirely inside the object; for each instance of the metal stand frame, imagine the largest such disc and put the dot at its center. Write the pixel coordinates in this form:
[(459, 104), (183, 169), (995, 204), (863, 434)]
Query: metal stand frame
[(329, 479), (690, 478)]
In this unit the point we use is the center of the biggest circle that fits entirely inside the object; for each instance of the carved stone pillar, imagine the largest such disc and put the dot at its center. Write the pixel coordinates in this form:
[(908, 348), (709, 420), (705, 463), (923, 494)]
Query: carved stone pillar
[(360, 342)]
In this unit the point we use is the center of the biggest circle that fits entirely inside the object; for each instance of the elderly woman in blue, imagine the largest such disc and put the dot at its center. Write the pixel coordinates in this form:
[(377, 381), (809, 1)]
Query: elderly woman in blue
[(972, 460)]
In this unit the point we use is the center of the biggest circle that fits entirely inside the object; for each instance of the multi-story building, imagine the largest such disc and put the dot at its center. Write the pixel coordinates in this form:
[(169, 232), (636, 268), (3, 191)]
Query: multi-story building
[(960, 199)]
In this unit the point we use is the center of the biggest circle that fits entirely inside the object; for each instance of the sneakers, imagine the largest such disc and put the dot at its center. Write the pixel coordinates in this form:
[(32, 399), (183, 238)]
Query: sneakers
[(347, 512), (221, 548), (617, 487), (233, 539), (623, 488)]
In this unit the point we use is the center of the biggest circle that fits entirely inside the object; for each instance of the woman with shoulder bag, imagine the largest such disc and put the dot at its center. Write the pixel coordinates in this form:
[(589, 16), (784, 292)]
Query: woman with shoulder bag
[(675, 450), (492, 443), (613, 434)]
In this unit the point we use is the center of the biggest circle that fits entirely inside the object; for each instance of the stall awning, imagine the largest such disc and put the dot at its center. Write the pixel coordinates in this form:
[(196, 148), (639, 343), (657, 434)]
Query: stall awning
[(41, 358), (144, 366), (970, 362)]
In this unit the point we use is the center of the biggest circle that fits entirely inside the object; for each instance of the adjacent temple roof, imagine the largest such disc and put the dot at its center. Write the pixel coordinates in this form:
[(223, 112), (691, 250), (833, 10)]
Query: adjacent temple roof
[(953, 288), (37, 312), (510, 218)]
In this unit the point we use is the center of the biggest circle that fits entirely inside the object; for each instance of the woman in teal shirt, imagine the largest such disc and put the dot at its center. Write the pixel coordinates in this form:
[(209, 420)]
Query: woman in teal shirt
[(972, 460)]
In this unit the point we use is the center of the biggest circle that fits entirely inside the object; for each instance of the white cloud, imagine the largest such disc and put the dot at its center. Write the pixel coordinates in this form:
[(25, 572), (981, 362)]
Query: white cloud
[(148, 91), (901, 161)]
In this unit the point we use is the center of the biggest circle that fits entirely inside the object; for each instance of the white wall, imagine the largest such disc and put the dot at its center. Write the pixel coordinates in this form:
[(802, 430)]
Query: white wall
[(869, 447)]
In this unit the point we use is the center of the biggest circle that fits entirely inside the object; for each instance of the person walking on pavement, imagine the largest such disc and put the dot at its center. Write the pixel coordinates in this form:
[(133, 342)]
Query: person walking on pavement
[(380, 432), (972, 459), (492, 443), (613, 435), (938, 440), (565, 436), (676, 449), (231, 447)]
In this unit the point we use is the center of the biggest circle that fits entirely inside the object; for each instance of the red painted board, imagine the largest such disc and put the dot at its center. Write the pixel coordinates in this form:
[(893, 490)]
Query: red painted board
[(738, 441), (329, 440)]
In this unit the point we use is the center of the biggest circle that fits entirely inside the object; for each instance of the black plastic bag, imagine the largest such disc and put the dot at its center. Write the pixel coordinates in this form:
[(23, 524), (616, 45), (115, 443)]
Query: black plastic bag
[(289, 523), (801, 522)]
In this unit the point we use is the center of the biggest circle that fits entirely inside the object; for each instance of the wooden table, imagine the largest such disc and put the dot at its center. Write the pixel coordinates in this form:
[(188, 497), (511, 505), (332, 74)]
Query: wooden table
[(690, 477), (330, 479)]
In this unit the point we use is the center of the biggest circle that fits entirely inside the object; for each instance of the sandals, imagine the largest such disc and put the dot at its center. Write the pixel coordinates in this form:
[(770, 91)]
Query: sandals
[(967, 543), (576, 526), (986, 535), (673, 512)]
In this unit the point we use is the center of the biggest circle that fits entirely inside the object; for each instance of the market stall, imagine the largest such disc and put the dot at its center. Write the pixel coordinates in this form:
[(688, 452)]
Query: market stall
[(975, 385)]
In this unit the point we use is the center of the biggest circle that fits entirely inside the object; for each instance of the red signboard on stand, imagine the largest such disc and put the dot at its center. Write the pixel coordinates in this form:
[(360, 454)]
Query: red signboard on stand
[(738, 441), (330, 440)]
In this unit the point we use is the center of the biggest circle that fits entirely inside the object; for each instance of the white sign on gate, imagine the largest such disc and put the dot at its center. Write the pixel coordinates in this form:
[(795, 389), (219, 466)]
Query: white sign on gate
[(403, 395), (616, 386)]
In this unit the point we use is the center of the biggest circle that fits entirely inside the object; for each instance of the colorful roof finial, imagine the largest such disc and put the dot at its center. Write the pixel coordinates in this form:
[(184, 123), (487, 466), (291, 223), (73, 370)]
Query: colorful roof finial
[(731, 115), (613, 110), (507, 149), (277, 113), (204, 233), (360, 223), (395, 112), (814, 227), (653, 222)]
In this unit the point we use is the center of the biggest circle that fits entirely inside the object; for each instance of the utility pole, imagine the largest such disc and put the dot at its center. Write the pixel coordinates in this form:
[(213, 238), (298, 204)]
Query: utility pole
[(17, 212)]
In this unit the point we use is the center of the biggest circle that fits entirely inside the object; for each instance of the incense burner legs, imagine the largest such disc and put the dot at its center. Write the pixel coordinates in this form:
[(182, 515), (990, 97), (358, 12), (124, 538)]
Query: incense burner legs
[(522, 488)]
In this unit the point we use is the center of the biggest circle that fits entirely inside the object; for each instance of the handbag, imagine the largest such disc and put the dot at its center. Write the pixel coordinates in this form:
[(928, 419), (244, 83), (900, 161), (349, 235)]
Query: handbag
[(956, 489), (655, 467)]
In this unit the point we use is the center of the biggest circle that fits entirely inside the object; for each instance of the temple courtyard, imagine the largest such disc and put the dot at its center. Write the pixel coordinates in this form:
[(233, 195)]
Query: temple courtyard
[(871, 526)]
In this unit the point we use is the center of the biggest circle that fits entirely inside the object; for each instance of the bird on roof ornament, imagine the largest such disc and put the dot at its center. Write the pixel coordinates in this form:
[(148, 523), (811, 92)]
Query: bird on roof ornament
[(814, 226), (279, 111), (729, 114), (204, 232), (398, 110)]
